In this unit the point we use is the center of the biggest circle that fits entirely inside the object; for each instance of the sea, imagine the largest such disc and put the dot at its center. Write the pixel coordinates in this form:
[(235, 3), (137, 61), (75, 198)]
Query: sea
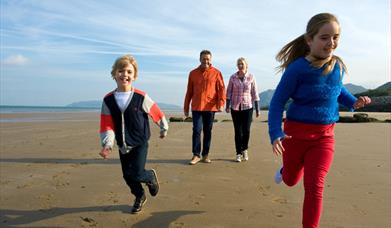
[(43, 109), (52, 113)]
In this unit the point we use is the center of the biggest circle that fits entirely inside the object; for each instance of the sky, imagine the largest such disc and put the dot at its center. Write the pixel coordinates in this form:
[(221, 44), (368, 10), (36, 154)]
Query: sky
[(54, 53)]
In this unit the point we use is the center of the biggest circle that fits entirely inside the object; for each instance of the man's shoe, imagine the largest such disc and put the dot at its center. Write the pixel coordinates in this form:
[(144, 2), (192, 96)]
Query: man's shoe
[(238, 158), (153, 186), (245, 155), (278, 176), (194, 160), (138, 204), (205, 159)]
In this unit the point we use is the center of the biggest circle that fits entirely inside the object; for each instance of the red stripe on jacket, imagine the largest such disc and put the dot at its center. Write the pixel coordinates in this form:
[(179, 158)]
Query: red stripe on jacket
[(106, 123), (155, 113)]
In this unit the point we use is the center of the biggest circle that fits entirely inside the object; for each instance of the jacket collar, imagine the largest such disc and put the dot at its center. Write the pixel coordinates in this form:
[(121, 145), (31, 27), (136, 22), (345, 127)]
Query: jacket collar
[(246, 75), (207, 69)]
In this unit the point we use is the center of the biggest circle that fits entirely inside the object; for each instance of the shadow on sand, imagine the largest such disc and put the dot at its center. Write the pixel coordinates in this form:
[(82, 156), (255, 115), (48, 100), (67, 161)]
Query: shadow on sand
[(164, 219), (16, 218), (109, 161)]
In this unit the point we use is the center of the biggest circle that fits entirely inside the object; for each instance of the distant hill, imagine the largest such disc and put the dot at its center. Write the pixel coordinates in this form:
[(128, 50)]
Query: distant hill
[(381, 99), (354, 88), (86, 104), (383, 90), (171, 107), (386, 86), (98, 104), (378, 104), (266, 96)]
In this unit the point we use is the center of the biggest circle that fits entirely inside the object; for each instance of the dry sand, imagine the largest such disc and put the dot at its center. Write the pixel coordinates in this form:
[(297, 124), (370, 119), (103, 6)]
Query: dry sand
[(51, 176)]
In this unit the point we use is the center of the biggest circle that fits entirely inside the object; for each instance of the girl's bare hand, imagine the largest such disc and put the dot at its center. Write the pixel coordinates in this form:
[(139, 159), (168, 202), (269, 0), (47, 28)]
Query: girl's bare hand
[(361, 102), (278, 149)]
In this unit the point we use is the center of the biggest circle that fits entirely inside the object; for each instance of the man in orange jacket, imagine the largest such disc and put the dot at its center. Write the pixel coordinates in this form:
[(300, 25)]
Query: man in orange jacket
[(206, 92)]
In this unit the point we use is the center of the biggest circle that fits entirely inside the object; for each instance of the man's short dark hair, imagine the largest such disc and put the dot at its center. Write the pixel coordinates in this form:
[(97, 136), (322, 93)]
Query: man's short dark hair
[(205, 52)]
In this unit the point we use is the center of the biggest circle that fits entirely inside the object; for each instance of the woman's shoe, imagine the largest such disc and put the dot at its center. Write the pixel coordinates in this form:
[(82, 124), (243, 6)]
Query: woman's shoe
[(238, 158)]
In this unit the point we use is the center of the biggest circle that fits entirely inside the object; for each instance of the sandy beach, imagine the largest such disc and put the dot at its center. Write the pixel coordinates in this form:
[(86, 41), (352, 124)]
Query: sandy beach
[(52, 176)]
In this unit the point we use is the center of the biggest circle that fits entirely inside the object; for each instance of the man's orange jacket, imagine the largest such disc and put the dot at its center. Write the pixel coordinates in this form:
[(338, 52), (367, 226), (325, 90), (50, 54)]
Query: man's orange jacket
[(205, 90)]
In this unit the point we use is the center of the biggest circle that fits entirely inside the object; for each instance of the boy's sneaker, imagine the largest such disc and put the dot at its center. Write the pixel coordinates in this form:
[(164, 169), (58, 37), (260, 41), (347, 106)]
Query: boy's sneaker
[(138, 204), (278, 176), (238, 158), (153, 186), (245, 155)]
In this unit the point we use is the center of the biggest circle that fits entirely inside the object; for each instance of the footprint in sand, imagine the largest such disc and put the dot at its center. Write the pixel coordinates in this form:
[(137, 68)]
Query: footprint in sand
[(196, 199), (113, 197), (59, 179), (264, 190), (359, 210), (23, 186), (178, 225), (46, 200), (88, 222), (279, 200)]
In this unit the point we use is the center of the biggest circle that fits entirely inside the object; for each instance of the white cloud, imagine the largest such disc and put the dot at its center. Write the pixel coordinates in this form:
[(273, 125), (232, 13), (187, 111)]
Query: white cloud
[(15, 60)]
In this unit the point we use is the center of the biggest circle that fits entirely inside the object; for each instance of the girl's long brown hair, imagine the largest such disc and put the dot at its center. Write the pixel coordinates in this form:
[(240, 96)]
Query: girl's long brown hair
[(299, 48)]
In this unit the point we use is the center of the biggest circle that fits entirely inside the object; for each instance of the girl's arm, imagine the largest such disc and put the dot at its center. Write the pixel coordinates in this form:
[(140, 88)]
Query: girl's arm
[(283, 92), (346, 99)]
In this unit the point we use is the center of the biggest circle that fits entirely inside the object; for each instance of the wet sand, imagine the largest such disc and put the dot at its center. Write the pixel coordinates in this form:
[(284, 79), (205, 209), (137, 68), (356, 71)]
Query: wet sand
[(51, 176)]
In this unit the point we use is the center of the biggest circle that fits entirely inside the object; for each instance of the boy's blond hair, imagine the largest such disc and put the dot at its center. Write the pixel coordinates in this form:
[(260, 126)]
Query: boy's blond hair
[(122, 62)]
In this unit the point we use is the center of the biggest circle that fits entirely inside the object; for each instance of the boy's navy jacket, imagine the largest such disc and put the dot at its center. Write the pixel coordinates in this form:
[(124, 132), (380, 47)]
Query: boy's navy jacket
[(130, 128)]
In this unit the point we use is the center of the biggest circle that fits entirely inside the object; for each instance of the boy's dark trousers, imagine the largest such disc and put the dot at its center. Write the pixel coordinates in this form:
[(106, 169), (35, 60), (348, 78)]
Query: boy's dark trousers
[(242, 123), (133, 169)]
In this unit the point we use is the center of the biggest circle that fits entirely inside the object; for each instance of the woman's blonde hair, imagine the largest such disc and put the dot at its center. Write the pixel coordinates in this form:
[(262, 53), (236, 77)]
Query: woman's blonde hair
[(122, 62), (243, 60), (299, 47)]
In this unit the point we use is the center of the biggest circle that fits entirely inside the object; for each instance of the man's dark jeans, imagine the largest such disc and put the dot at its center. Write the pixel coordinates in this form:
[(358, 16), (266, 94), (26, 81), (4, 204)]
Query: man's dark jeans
[(202, 120)]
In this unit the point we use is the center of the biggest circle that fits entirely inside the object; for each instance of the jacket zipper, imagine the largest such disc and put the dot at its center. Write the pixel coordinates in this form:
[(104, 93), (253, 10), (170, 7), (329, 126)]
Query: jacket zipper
[(123, 131)]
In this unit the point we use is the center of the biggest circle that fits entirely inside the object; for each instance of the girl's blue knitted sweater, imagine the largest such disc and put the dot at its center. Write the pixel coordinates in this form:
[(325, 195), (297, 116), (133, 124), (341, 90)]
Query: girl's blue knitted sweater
[(315, 96)]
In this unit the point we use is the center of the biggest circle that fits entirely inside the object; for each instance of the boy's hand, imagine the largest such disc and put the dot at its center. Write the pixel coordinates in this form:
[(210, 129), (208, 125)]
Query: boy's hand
[(105, 152), (163, 134)]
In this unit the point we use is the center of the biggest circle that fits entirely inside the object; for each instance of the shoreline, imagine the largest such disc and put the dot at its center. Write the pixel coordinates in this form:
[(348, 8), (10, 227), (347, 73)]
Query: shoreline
[(85, 115)]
